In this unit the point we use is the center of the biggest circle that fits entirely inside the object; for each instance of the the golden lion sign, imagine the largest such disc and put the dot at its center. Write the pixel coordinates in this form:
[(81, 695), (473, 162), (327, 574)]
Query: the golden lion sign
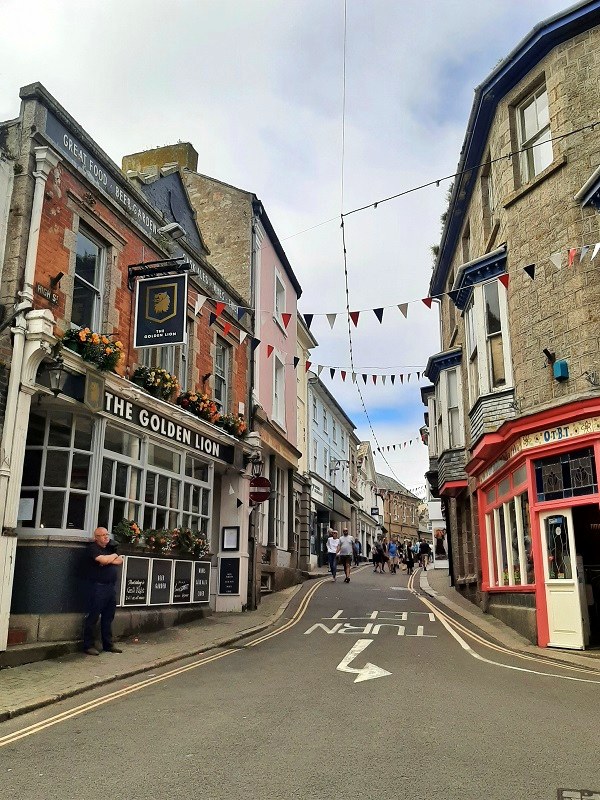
[(161, 302)]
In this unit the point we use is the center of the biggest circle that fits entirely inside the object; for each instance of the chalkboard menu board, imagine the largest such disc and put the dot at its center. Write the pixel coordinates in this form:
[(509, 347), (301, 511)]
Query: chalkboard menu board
[(201, 581), (160, 581), (136, 581), (229, 576), (182, 584)]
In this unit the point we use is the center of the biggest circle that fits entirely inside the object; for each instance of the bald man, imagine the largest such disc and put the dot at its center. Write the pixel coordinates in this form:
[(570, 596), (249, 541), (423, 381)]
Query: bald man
[(103, 601)]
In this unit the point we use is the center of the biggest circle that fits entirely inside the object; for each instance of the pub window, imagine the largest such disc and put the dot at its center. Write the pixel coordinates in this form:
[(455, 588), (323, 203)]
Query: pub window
[(90, 259), (568, 475), (222, 368), (56, 472), (121, 478), (160, 357)]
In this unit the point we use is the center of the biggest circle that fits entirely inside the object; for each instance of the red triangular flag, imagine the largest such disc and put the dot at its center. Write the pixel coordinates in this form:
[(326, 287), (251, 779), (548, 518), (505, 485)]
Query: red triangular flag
[(572, 252), (428, 301), (354, 315), (504, 279), (285, 318), (220, 307), (226, 328), (307, 366), (270, 349), (343, 374)]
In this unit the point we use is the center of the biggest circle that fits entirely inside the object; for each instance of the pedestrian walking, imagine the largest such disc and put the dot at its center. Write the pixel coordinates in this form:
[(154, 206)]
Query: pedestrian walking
[(424, 553), (357, 548), (409, 558), (103, 561), (385, 557), (377, 556), (332, 549), (345, 550), (393, 556)]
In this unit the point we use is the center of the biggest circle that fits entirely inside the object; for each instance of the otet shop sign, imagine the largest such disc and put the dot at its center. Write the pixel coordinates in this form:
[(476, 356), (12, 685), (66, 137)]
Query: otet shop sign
[(167, 428)]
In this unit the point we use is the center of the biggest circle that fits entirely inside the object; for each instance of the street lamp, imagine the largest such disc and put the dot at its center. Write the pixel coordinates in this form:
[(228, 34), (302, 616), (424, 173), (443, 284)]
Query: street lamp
[(57, 372)]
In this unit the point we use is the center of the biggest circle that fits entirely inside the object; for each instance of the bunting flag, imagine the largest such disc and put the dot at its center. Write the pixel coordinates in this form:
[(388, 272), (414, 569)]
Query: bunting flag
[(364, 377), (374, 379), (319, 371), (408, 377), (530, 270), (343, 374), (504, 279), (285, 318), (255, 343), (418, 376), (428, 301), (307, 366), (219, 308), (226, 328), (401, 378), (200, 300), (212, 318), (556, 259), (239, 503), (453, 295), (231, 489), (572, 252), (331, 372), (393, 379), (403, 308), (240, 313), (243, 335), (378, 313), (596, 249), (354, 377), (308, 318), (383, 377), (270, 349), (296, 361), (584, 250), (354, 315), (331, 318)]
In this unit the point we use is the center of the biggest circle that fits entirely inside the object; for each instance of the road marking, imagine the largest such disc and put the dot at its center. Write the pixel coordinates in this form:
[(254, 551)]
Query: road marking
[(366, 673)]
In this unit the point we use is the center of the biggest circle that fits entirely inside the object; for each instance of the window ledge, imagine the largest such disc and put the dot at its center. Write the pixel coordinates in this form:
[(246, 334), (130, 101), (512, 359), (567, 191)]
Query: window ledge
[(535, 182)]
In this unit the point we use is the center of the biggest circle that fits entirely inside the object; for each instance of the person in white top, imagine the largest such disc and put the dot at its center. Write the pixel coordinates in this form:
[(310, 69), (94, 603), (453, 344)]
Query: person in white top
[(345, 550), (332, 548)]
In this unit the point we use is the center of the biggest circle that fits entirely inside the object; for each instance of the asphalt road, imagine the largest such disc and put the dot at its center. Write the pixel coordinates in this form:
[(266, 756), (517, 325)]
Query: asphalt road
[(278, 716)]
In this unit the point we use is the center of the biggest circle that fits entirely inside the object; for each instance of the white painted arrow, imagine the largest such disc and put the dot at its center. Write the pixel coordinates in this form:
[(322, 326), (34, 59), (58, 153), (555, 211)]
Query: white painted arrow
[(366, 673)]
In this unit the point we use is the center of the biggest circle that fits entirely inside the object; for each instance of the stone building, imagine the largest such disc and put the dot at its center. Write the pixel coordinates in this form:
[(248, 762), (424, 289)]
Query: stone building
[(370, 506), (245, 249), (514, 415), (305, 343), (400, 515), (86, 444)]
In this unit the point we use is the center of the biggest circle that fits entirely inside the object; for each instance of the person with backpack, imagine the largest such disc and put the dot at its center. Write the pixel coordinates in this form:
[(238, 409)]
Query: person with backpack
[(424, 552), (378, 556)]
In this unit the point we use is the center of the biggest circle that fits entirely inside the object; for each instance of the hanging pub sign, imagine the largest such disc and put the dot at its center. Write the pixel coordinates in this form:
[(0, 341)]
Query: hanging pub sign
[(160, 310)]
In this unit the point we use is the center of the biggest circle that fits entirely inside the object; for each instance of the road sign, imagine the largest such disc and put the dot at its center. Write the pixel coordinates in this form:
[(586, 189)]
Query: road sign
[(260, 489)]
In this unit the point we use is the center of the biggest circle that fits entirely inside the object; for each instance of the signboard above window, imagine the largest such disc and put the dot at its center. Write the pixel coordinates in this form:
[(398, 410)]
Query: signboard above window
[(160, 309)]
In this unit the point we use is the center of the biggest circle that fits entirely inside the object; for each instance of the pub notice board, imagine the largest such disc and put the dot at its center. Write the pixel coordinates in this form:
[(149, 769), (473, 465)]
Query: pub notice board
[(229, 576)]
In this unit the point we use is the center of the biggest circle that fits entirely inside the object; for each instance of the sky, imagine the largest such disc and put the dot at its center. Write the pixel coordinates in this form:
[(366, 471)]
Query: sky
[(257, 86)]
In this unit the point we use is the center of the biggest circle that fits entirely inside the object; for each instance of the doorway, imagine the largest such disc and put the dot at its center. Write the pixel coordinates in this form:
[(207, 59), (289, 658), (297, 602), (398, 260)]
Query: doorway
[(586, 524)]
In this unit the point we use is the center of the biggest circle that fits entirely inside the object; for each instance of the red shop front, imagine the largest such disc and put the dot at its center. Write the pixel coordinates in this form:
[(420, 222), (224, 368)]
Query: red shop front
[(539, 521)]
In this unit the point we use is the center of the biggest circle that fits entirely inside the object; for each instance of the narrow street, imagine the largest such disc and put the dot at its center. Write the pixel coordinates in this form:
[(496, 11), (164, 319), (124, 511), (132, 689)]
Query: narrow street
[(308, 709)]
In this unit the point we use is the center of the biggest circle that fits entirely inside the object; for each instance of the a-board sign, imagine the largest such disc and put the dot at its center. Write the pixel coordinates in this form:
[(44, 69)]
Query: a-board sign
[(136, 581), (229, 576), (201, 582), (160, 581), (182, 583)]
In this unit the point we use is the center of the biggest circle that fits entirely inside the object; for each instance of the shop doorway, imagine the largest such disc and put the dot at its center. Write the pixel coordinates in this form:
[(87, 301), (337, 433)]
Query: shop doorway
[(586, 524)]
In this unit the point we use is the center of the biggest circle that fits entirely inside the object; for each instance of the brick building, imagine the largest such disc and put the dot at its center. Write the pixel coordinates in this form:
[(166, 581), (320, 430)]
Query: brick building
[(245, 249), (400, 513), (99, 448), (514, 413)]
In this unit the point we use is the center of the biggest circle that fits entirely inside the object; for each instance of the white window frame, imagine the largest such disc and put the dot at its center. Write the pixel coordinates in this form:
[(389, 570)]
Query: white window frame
[(103, 247), (278, 390), (452, 442), (280, 508), (325, 427), (333, 431), (162, 357), (315, 456), (543, 133), (326, 463), (279, 300), (475, 329), (222, 375), (315, 410)]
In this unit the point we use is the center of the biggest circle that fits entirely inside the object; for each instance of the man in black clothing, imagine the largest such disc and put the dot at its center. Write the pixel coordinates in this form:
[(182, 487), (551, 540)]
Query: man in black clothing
[(103, 563), (424, 553)]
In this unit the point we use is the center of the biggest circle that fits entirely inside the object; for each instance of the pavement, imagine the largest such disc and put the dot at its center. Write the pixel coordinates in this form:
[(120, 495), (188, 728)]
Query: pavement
[(32, 686)]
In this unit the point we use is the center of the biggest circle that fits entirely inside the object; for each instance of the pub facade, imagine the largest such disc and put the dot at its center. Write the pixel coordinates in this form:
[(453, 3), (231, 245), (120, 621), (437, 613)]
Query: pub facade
[(101, 429)]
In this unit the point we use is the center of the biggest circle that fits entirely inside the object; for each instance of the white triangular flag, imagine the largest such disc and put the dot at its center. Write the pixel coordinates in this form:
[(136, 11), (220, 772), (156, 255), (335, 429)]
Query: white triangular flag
[(200, 300), (556, 259), (319, 370), (243, 335), (595, 253), (331, 318), (231, 489), (354, 377), (584, 250), (403, 309)]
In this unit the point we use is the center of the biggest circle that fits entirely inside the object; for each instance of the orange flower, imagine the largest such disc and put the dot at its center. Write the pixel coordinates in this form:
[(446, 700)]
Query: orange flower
[(95, 338), (119, 345), (82, 335)]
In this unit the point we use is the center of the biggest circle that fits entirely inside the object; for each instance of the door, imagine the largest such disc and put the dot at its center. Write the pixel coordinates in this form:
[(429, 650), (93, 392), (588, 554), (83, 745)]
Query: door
[(565, 625)]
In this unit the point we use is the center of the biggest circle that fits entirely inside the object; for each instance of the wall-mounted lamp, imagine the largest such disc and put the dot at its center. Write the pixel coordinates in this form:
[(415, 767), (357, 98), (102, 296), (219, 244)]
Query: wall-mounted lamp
[(56, 279), (173, 230), (57, 373)]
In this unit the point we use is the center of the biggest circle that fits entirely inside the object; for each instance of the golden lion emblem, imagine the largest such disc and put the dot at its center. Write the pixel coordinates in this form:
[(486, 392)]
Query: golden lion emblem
[(162, 302)]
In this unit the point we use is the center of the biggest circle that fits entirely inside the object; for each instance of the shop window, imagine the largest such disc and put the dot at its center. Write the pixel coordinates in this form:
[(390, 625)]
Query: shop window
[(90, 258), (519, 476), (533, 124), (568, 475), (222, 367), (56, 472), (504, 487), (509, 544)]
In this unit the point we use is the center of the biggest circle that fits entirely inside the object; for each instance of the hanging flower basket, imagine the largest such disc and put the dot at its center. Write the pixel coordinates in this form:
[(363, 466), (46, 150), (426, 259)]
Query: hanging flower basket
[(185, 540), (158, 541), (156, 381), (199, 404), (128, 532), (95, 348), (234, 424)]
